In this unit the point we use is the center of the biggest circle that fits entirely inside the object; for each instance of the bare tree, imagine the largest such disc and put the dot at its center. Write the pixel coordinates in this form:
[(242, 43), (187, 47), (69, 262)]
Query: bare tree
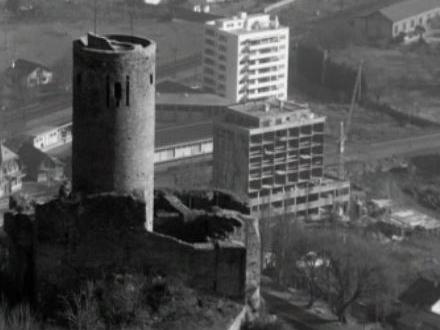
[(353, 272), (296, 256), (339, 267)]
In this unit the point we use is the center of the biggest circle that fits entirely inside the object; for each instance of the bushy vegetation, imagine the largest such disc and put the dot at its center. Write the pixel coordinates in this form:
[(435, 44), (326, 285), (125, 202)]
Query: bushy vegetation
[(116, 302), (264, 322), (17, 318)]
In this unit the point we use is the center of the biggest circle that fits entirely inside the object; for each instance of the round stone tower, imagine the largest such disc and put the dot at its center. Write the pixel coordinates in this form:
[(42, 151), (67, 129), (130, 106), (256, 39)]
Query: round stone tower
[(114, 116)]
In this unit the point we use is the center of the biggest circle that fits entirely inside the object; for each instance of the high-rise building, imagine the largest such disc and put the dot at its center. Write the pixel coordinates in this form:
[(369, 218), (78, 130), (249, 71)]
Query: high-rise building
[(246, 57), (114, 116), (272, 154)]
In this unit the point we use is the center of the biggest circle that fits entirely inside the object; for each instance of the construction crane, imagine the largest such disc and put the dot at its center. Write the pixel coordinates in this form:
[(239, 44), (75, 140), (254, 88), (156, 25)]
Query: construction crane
[(345, 129)]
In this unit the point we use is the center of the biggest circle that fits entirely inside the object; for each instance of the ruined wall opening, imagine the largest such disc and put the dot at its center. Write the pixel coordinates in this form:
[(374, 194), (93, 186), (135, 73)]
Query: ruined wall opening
[(118, 93)]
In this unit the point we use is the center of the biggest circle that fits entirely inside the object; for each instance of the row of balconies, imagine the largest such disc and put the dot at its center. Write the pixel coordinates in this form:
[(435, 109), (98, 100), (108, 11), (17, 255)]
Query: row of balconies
[(288, 163), (292, 150), (292, 133), (299, 206), (265, 182)]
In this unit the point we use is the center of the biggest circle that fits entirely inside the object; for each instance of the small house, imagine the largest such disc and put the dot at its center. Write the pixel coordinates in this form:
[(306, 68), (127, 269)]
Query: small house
[(39, 166), (27, 74)]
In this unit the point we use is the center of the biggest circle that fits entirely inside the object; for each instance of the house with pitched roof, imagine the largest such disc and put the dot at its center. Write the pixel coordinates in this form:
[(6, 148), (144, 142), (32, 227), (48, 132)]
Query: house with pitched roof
[(39, 166), (28, 74), (403, 17)]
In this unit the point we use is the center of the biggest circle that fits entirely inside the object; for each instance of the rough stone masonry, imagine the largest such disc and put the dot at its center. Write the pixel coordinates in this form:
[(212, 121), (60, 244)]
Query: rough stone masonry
[(114, 117)]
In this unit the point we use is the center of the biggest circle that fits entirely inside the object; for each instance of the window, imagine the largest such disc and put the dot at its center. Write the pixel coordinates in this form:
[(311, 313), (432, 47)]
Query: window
[(208, 81), (151, 79), (404, 26), (396, 29), (413, 23), (208, 61), (208, 71), (127, 91), (118, 93)]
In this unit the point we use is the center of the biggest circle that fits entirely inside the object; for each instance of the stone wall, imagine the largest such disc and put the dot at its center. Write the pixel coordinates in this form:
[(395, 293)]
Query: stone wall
[(67, 241), (223, 206), (106, 232)]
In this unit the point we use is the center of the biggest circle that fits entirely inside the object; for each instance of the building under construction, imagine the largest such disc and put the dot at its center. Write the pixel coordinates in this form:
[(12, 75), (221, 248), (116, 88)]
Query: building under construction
[(272, 154)]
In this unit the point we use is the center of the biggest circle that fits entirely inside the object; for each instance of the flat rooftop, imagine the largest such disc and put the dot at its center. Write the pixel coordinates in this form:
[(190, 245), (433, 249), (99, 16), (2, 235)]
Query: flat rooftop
[(411, 218), (246, 23), (203, 99), (183, 134), (48, 122), (272, 109)]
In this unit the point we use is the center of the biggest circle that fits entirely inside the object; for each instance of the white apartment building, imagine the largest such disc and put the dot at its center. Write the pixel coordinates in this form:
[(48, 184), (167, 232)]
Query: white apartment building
[(246, 58)]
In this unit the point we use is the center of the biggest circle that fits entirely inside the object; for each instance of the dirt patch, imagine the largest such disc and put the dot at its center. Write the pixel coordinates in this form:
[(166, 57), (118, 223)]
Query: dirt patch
[(416, 187), (405, 77), (367, 125)]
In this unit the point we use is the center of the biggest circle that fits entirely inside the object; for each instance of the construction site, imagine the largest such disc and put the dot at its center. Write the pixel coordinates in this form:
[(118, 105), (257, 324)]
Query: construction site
[(273, 153)]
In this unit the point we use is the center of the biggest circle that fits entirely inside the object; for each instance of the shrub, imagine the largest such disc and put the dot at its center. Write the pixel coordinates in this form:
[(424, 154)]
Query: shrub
[(118, 300), (265, 322), (17, 318), (81, 309)]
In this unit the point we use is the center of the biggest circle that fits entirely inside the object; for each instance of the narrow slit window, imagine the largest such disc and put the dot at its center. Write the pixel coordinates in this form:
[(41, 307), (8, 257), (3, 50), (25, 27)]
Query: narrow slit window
[(151, 79), (107, 88), (127, 91), (78, 80), (118, 93)]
